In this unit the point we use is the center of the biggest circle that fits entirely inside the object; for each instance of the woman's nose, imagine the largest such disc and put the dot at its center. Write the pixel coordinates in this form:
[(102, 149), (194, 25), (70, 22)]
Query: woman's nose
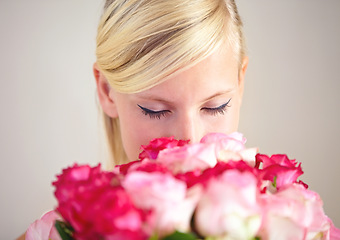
[(189, 127)]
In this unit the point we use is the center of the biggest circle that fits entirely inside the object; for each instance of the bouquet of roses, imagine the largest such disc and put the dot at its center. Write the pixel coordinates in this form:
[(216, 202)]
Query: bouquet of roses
[(215, 189)]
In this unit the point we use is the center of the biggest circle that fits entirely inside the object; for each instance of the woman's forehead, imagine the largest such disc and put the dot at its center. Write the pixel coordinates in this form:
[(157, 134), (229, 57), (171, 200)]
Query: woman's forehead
[(203, 82)]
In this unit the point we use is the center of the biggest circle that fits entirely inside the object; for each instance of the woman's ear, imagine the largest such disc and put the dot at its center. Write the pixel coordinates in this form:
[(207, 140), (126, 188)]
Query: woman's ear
[(103, 90), (242, 74)]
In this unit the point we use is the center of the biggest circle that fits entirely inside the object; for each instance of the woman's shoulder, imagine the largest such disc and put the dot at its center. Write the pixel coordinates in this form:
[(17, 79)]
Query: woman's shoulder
[(22, 237)]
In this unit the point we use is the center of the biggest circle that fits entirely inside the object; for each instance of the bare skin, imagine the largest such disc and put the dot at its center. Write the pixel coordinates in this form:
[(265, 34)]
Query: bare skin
[(22, 237), (202, 99)]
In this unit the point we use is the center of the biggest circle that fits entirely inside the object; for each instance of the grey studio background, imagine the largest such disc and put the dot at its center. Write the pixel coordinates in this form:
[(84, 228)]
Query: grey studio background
[(48, 104)]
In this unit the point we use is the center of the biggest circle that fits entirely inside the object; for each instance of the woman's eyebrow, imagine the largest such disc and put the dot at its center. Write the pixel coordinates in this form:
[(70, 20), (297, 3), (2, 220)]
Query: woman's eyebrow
[(150, 96), (218, 94), (156, 98)]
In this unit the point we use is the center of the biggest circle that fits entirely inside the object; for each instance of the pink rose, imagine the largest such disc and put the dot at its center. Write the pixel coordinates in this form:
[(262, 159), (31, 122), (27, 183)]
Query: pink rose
[(233, 142), (294, 213), (229, 207), (189, 157), (334, 233), (230, 147), (43, 228), (167, 198), (156, 145)]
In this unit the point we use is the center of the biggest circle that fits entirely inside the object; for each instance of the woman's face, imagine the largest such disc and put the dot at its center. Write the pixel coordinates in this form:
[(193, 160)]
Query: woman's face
[(202, 99)]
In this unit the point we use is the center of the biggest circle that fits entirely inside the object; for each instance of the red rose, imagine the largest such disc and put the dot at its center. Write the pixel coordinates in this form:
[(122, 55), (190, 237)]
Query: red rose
[(72, 178), (145, 165), (199, 177), (109, 213), (156, 145), (96, 206), (279, 168)]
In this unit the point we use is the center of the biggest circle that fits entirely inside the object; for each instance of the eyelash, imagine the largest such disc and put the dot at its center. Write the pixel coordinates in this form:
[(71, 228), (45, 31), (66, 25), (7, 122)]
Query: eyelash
[(218, 110), (153, 114), (158, 114)]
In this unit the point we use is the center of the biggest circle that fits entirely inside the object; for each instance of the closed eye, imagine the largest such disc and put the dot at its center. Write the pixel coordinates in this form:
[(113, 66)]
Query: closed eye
[(218, 110), (153, 114)]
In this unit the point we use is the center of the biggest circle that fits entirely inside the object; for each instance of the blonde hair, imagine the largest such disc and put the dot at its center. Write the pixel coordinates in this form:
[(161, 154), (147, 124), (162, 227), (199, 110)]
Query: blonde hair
[(140, 43)]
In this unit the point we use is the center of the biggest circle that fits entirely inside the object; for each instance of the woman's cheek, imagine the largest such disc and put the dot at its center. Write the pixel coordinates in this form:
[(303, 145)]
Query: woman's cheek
[(140, 133)]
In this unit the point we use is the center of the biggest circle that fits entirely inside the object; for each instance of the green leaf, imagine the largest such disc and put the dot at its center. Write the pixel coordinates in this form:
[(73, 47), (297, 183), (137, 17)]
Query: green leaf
[(65, 231), (153, 237), (274, 182), (180, 236)]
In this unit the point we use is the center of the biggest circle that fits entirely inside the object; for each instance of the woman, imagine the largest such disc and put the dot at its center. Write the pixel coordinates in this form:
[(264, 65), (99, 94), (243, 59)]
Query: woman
[(168, 68)]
